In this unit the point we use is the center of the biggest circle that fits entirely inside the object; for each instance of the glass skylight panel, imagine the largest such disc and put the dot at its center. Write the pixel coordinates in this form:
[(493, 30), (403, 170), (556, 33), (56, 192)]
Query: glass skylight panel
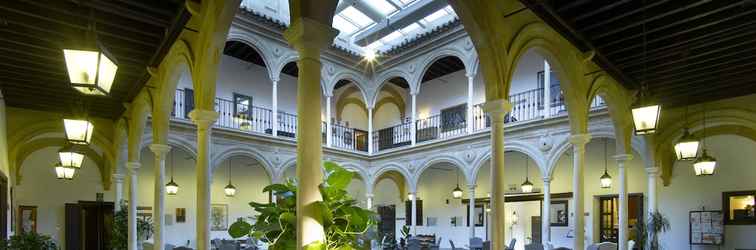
[(375, 45), (436, 15), (343, 25), (391, 37), (381, 6), (357, 17), (405, 2)]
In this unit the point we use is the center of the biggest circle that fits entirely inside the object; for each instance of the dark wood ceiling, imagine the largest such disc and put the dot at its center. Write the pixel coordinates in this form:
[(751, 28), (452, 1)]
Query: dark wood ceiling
[(695, 51), (443, 66), (33, 33)]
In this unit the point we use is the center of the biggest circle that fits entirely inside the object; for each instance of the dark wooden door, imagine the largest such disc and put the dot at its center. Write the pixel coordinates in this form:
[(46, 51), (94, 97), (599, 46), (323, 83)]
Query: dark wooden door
[(535, 228), (408, 212), (88, 225), (387, 222), (73, 226), (3, 207)]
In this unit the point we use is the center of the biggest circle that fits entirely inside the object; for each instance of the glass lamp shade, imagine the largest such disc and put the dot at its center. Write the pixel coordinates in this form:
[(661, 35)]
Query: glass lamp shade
[(645, 119), (91, 72), (71, 158), (705, 164), (606, 180), (78, 131), (457, 193), (64, 173), (687, 148), (230, 190), (410, 196), (527, 186), (171, 188)]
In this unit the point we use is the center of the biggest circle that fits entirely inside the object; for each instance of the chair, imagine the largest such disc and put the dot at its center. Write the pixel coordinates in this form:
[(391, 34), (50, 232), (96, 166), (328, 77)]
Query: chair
[(607, 246), (169, 246), (512, 244), (413, 244), (436, 245), (534, 246), (476, 243), (452, 245)]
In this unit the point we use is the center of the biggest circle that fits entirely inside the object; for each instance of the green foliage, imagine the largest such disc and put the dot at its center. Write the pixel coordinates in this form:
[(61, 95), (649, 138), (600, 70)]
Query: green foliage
[(656, 224), (29, 241), (342, 219), (120, 238)]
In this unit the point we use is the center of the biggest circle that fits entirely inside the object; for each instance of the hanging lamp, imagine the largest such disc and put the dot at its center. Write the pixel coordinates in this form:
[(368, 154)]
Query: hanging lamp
[(91, 68), (70, 156), (64, 173), (645, 113), (527, 186), (704, 164), (686, 148), (78, 131), (171, 188), (230, 190), (457, 192), (606, 179)]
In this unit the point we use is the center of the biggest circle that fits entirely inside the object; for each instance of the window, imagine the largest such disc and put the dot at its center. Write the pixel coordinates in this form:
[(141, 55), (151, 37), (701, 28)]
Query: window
[(356, 17), (453, 118), (739, 207), (242, 106)]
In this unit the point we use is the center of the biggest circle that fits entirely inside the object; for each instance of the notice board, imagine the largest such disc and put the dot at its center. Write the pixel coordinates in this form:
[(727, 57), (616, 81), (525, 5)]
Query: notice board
[(706, 228)]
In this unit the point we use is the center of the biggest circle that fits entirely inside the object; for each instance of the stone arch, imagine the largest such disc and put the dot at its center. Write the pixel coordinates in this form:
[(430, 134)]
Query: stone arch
[(24, 150), (247, 152), (387, 170), (357, 169), (618, 102), (459, 164), (256, 43), (432, 58), (562, 56), (384, 78), (393, 100), (355, 79), (512, 146), (290, 163), (173, 140), (180, 59), (636, 144), (343, 102), (277, 67)]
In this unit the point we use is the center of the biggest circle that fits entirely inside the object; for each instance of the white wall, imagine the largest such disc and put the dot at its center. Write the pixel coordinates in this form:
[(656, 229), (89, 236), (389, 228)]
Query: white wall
[(41, 188), (4, 164), (735, 172)]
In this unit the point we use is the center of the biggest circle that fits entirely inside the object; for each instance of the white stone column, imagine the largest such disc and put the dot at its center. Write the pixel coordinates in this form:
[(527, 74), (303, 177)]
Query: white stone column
[(274, 112), (328, 121), (309, 37), (578, 142), (413, 131), (158, 209), (133, 168), (546, 89), (369, 201), (471, 208), (370, 130), (118, 181), (545, 214), (497, 110), (470, 82), (204, 120), (623, 224), (652, 173), (413, 220)]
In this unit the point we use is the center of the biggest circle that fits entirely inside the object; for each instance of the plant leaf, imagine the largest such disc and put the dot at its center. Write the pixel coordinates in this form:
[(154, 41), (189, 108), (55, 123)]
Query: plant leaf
[(239, 229)]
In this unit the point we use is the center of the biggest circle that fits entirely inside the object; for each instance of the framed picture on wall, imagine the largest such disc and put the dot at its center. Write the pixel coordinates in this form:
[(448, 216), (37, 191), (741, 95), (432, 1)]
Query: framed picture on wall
[(478, 217), (27, 219), (559, 213), (219, 217), (180, 215)]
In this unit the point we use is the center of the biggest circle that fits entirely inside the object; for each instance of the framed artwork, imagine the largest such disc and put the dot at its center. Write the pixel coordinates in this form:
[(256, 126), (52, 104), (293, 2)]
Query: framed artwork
[(739, 207), (27, 219), (219, 217), (478, 217), (559, 213), (180, 215), (706, 228)]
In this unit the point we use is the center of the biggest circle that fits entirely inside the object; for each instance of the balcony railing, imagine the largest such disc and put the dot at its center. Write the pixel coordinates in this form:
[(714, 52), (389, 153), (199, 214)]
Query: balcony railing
[(527, 106)]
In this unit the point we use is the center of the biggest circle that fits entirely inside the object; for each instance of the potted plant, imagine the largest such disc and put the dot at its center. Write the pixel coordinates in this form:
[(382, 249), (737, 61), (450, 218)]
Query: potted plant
[(656, 224), (344, 222), (29, 241), (120, 238)]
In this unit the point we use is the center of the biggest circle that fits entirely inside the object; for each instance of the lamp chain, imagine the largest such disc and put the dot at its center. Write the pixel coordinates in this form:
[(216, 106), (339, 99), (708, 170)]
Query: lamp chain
[(606, 142)]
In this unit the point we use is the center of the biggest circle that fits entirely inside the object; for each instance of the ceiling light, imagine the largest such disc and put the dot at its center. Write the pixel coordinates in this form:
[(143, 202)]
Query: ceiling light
[(230, 190), (370, 55), (527, 186), (78, 131), (64, 173), (687, 148), (90, 71), (704, 164), (646, 118), (171, 188), (70, 157), (606, 180)]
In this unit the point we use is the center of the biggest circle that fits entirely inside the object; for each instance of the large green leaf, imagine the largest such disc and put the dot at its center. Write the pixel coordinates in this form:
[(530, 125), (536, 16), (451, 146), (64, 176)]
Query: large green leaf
[(239, 229), (339, 178)]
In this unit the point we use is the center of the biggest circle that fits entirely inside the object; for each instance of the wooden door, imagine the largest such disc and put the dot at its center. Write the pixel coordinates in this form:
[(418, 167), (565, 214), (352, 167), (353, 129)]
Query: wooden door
[(535, 229), (387, 222)]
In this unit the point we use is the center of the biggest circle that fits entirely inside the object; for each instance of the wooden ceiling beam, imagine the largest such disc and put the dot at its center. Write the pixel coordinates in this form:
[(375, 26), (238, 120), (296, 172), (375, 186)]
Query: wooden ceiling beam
[(720, 77), (610, 5), (623, 15), (699, 72), (734, 50), (115, 9)]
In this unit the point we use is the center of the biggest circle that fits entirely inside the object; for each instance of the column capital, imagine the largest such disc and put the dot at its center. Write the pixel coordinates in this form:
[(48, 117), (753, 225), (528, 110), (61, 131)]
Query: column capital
[(470, 74), (546, 180), (309, 36), (497, 109), (133, 167), (118, 178), (652, 172), (274, 80), (160, 149), (204, 118), (580, 139), (369, 195), (622, 158), (471, 187)]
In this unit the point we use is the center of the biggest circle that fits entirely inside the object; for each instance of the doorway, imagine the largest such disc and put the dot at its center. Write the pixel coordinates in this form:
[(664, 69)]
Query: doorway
[(88, 225), (609, 216)]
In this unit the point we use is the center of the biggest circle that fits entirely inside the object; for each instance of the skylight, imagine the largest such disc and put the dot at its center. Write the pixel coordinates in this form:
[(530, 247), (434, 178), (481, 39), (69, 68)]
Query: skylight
[(410, 28), (385, 8), (436, 15), (391, 37), (356, 17), (405, 2), (343, 25)]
